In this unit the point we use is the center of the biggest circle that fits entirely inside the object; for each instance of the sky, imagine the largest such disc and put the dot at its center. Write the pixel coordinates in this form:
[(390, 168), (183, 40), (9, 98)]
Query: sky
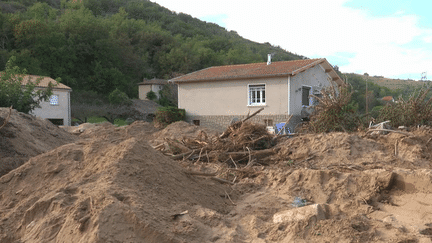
[(390, 38)]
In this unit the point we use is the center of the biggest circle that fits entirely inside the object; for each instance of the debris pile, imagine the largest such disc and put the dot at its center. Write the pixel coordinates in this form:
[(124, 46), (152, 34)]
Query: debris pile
[(240, 143)]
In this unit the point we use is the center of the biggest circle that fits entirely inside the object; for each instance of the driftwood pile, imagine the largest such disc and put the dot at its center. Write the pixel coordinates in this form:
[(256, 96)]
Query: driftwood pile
[(242, 145)]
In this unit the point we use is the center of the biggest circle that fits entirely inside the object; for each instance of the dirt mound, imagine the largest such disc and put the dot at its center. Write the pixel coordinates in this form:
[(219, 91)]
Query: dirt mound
[(307, 205), (109, 187), (25, 136), (112, 186), (356, 151), (179, 130)]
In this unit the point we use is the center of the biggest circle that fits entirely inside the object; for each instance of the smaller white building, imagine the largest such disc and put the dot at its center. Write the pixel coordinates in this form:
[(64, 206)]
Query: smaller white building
[(58, 108), (154, 85)]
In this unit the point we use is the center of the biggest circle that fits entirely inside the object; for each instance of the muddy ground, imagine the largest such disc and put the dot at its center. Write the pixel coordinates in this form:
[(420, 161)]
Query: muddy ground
[(101, 183)]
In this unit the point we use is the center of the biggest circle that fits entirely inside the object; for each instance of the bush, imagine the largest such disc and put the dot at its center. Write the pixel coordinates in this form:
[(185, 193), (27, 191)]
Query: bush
[(167, 96), (168, 115), (151, 95), (376, 111), (417, 110), (118, 97)]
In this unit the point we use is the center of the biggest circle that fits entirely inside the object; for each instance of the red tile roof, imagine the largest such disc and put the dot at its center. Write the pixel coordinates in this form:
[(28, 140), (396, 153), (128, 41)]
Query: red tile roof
[(44, 82), (253, 70), (387, 98)]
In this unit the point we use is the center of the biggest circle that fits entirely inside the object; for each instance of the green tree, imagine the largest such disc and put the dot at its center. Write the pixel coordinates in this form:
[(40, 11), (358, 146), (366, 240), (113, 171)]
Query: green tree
[(23, 98), (118, 97), (104, 45), (167, 96), (151, 95)]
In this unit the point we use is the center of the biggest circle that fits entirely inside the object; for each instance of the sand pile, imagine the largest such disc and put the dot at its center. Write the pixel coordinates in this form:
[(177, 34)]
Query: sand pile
[(25, 136), (357, 151), (179, 130), (87, 130), (108, 187)]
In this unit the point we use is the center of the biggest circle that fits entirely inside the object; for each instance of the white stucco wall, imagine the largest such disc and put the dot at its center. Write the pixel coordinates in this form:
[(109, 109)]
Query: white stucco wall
[(60, 111), (231, 97), (156, 88), (143, 89), (314, 77)]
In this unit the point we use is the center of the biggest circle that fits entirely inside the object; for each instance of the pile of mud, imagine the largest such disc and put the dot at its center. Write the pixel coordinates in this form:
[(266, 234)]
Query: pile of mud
[(356, 151), (179, 130), (110, 186), (25, 136), (304, 205), (89, 130)]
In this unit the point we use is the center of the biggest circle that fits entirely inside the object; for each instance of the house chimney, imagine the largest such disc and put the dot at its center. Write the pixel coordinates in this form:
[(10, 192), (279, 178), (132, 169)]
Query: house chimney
[(269, 59)]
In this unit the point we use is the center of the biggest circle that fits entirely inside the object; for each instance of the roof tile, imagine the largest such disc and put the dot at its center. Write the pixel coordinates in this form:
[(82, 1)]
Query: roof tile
[(253, 70), (44, 82)]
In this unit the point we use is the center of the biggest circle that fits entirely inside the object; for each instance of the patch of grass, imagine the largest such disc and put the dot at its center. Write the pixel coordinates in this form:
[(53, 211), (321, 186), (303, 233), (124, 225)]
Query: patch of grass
[(95, 119), (120, 122)]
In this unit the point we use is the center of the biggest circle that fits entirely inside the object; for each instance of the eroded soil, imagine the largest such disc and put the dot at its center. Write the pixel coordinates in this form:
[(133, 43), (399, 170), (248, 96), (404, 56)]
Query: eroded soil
[(101, 183)]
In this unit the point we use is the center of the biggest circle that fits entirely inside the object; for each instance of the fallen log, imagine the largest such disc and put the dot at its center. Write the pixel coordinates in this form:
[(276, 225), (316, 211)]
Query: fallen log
[(255, 153), (181, 156), (388, 130), (222, 180), (199, 173)]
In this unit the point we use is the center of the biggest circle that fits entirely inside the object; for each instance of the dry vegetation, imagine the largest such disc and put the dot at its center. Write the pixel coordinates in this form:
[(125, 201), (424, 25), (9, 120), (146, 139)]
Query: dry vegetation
[(334, 111), (416, 110)]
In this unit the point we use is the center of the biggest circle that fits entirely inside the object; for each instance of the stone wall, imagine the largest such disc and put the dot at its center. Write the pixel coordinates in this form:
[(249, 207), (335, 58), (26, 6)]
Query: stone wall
[(220, 123)]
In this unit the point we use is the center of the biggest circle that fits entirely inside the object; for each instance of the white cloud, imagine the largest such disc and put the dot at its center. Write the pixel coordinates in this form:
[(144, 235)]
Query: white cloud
[(322, 29)]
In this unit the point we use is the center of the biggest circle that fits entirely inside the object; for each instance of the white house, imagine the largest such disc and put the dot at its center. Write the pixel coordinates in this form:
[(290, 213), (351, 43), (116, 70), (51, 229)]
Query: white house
[(214, 96), (154, 85), (58, 108)]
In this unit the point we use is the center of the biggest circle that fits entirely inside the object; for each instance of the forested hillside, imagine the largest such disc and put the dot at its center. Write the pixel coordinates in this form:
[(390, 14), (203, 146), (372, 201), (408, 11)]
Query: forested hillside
[(100, 45)]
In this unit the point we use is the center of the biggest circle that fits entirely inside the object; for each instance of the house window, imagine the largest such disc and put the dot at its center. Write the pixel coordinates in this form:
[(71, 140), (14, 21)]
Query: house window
[(54, 100), (305, 95), (196, 122), (257, 94)]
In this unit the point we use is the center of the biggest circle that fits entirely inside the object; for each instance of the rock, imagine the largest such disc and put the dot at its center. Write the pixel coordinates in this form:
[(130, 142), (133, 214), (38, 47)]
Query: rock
[(307, 213)]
